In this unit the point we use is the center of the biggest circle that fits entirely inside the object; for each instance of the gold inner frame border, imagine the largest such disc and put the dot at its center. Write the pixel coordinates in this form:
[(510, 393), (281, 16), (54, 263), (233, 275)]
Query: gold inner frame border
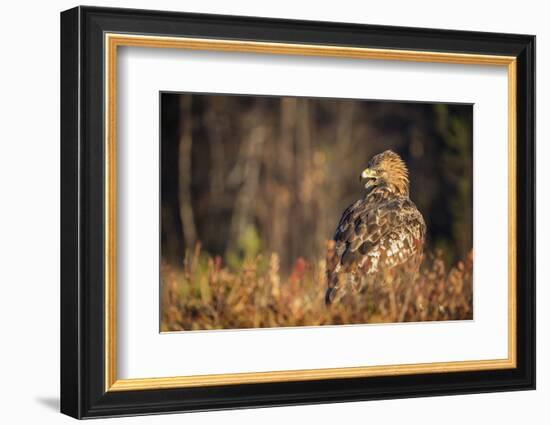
[(113, 40)]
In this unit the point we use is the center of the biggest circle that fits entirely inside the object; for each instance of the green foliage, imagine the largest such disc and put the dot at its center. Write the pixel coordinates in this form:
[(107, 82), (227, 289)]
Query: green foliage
[(456, 164), (248, 248)]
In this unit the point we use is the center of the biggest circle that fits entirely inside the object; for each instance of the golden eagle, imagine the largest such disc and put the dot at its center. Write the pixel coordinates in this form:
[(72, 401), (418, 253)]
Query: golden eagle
[(377, 233)]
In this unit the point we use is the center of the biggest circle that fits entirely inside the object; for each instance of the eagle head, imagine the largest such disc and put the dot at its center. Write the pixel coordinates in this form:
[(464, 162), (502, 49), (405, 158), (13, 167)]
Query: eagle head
[(387, 169)]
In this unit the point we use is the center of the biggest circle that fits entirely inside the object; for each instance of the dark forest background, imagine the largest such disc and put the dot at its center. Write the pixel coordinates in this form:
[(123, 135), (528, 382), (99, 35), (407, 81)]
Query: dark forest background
[(246, 175)]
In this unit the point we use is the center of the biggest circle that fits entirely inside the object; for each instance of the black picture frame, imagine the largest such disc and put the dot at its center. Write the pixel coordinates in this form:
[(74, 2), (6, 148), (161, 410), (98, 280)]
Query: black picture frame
[(83, 392)]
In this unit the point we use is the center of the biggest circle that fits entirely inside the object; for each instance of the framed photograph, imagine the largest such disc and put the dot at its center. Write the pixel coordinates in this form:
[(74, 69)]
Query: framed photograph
[(261, 212)]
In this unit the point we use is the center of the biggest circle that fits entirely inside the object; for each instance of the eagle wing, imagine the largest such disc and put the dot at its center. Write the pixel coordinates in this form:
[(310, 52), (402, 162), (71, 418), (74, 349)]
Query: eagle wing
[(374, 237)]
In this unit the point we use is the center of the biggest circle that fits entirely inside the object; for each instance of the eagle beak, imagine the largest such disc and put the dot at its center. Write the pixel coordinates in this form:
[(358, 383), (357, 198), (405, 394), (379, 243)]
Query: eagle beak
[(367, 174)]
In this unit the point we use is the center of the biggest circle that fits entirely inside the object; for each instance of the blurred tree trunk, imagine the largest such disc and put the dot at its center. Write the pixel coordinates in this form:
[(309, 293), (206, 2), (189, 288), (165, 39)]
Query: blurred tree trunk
[(304, 183), (216, 123), (282, 179), (170, 234), (344, 124), (247, 171), (184, 168)]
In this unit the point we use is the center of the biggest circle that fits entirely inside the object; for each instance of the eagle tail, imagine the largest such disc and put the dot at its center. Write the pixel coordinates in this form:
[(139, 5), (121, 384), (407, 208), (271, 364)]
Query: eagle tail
[(329, 296)]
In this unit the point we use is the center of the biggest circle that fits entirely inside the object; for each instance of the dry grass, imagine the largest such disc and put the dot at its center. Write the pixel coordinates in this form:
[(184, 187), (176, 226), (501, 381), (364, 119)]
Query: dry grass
[(206, 294)]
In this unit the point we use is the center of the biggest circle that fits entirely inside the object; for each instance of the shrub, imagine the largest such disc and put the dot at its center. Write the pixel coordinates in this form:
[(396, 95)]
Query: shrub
[(206, 294)]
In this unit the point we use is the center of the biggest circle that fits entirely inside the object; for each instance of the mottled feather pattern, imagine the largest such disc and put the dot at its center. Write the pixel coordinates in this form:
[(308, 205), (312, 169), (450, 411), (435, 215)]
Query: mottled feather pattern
[(378, 232)]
